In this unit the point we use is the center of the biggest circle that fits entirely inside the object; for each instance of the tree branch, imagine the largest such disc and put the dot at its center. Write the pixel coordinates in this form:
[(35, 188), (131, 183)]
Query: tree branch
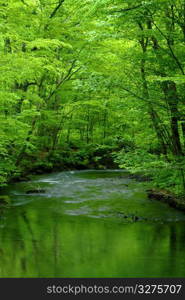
[(65, 78), (56, 9), (127, 9), (142, 98), (168, 43)]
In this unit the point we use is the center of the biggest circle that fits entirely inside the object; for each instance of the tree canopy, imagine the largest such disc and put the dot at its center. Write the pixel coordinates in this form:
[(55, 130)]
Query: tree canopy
[(83, 78)]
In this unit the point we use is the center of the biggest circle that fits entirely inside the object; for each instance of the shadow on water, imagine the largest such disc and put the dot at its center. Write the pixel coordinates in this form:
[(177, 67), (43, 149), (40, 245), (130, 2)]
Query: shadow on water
[(78, 229)]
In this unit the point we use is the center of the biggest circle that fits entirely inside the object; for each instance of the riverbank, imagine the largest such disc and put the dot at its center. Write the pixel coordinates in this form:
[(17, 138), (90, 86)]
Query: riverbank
[(92, 156), (172, 200), (162, 195), (164, 177)]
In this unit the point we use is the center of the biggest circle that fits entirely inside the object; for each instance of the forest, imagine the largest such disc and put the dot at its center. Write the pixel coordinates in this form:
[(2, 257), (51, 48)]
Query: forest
[(93, 84), (92, 133)]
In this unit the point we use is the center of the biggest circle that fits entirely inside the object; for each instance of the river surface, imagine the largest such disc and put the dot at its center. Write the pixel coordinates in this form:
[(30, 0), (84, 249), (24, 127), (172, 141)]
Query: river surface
[(89, 224)]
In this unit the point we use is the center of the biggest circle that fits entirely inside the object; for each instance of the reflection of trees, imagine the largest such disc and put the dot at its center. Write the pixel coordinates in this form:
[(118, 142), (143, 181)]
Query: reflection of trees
[(56, 248), (12, 243), (33, 241), (177, 245), (40, 242), (20, 244)]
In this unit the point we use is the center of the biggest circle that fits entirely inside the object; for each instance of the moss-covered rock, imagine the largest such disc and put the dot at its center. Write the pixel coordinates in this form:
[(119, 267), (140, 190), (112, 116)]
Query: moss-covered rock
[(35, 191), (167, 197)]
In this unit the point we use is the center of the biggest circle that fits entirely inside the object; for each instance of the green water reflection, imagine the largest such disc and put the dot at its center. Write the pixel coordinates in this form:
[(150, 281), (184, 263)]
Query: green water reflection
[(50, 236)]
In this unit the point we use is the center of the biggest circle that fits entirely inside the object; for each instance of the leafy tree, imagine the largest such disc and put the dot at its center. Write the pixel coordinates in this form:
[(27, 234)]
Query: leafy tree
[(77, 78)]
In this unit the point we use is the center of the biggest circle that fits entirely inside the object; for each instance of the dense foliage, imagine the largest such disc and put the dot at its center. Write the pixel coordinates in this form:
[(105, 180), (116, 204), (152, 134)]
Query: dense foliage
[(82, 79)]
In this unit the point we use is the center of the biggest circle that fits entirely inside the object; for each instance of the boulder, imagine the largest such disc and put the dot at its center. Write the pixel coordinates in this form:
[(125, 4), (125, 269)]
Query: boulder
[(35, 191)]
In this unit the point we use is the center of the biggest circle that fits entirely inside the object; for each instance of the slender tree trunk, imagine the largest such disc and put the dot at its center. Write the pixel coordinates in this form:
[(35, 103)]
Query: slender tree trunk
[(153, 115), (170, 92), (23, 149)]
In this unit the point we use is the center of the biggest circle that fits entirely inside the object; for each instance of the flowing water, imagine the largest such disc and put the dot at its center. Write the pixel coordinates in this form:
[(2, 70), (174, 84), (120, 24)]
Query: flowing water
[(89, 224)]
